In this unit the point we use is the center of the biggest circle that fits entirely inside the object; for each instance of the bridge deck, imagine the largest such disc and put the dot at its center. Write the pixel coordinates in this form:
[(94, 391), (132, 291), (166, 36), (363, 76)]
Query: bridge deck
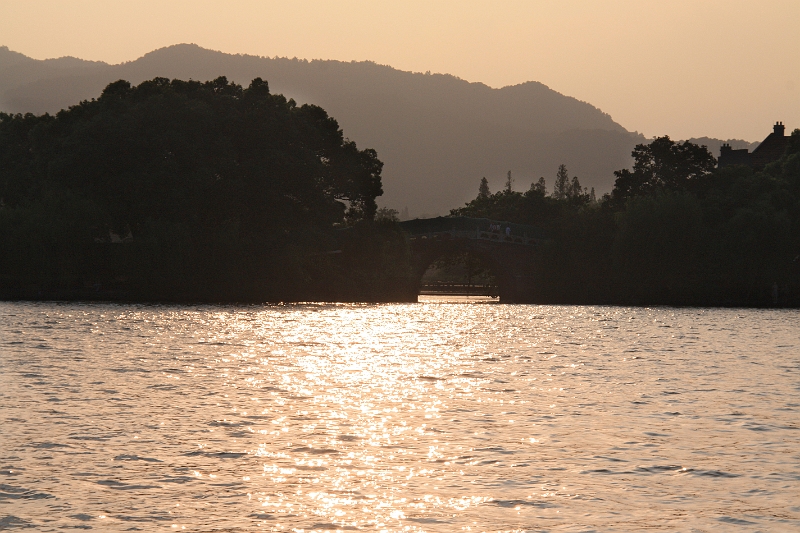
[(442, 228), (477, 235), (458, 289)]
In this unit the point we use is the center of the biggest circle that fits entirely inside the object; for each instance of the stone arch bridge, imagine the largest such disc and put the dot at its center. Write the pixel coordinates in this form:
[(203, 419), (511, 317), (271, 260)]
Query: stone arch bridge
[(508, 249)]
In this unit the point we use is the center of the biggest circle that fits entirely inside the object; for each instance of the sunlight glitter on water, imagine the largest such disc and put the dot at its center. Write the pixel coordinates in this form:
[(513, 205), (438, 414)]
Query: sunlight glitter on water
[(420, 417)]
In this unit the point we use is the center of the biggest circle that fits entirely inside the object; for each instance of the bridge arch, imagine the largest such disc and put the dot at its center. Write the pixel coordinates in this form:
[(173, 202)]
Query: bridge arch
[(466, 257), (508, 250)]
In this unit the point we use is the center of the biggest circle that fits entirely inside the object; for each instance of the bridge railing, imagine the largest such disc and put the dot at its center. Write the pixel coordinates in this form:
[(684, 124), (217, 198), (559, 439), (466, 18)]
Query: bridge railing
[(458, 289), (477, 235), (474, 229)]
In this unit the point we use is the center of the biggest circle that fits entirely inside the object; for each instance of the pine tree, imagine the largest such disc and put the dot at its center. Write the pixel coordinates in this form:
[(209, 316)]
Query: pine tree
[(509, 182), (483, 188), (592, 197), (561, 188), (540, 187), (575, 190)]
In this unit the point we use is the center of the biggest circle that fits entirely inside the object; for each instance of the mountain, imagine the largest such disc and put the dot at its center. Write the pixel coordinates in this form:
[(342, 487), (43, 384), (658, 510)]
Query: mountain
[(437, 134), (713, 145)]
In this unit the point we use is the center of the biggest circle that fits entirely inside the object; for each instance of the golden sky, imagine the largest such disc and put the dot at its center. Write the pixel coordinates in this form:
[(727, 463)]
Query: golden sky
[(685, 68)]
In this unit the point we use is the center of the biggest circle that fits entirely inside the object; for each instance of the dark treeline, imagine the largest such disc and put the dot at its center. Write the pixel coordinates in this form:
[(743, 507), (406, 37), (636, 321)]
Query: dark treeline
[(675, 230), (175, 190)]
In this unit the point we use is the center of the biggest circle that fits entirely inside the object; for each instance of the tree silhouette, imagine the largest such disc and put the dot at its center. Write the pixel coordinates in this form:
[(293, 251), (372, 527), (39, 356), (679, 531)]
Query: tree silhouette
[(509, 183), (387, 214), (575, 190), (561, 188), (540, 187), (212, 183), (483, 189), (663, 165)]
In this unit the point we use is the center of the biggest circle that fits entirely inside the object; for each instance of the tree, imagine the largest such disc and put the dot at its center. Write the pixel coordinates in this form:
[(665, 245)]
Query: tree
[(387, 214), (509, 183), (561, 188), (221, 187), (185, 150), (575, 190), (658, 245), (483, 188), (663, 165), (540, 187)]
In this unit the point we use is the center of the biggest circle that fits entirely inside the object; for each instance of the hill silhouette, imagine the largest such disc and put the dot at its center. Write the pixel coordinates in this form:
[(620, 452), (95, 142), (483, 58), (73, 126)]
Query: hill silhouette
[(437, 134)]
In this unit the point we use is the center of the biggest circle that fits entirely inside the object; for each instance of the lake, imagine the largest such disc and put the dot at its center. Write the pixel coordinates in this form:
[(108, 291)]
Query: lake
[(433, 416)]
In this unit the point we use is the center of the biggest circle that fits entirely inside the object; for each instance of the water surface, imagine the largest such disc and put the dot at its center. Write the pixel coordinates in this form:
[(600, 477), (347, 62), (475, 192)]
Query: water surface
[(419, 417)]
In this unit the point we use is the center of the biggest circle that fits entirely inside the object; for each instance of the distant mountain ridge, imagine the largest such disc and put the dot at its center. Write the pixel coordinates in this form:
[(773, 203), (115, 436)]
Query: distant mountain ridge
[(714, 144), (436, 133)]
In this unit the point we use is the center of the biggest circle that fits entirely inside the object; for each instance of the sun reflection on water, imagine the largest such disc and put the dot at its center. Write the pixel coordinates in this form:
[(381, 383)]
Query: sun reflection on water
[(365, 421), (429, 417)]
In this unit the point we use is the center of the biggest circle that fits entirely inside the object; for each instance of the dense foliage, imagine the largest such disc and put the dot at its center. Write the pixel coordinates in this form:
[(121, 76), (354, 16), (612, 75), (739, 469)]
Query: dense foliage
[(176, 190), (675, 230), (663, 165)]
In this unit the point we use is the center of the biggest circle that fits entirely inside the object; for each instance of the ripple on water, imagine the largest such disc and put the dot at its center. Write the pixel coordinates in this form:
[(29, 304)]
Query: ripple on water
[(430, 417)]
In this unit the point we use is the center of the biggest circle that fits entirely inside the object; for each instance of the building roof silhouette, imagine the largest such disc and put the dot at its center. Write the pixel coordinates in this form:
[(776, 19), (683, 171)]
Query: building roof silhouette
[(770, 149)]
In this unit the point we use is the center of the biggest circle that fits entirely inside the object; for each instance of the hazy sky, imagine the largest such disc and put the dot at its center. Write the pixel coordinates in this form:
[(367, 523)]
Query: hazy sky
[(686, 68)]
